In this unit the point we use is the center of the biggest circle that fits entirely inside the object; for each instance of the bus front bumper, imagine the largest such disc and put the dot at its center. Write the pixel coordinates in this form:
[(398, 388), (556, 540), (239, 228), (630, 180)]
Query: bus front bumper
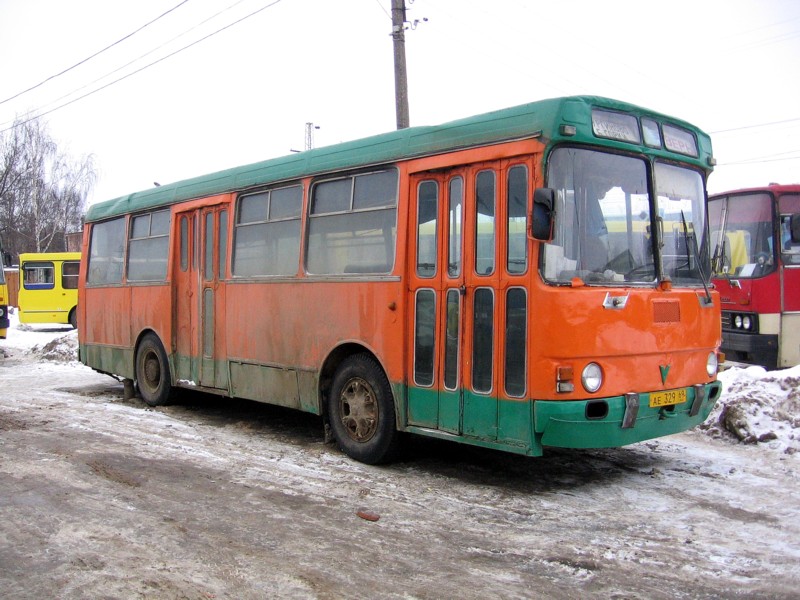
[(755, 349), (628, 419)]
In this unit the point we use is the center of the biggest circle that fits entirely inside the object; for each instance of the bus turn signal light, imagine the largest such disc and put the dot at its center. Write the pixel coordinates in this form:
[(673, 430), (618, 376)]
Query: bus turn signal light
[(564, 377)]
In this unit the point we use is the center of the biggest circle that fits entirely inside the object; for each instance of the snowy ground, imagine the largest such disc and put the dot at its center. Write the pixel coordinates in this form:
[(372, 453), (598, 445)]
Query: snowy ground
[(214, 498)]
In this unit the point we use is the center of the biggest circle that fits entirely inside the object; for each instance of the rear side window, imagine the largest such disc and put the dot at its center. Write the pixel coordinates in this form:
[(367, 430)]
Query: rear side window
[(148, 247), (69, 274), (106, 252)]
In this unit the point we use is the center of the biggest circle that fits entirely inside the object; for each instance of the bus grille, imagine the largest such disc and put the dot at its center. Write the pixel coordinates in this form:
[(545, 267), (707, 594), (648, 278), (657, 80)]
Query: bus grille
[(666, 311)]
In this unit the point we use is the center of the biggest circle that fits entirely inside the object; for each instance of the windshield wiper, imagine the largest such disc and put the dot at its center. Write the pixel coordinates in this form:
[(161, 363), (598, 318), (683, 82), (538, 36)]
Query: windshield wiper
[(696, 250)]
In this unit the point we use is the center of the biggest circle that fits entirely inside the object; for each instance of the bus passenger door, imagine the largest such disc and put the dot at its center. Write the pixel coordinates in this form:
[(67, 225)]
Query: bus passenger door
[(200, 297), (789, 340), (437, 290)]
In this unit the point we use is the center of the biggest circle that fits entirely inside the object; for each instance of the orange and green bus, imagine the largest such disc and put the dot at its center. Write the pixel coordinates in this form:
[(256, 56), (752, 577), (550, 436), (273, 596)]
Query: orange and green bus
[(531, 277), (48, 287)]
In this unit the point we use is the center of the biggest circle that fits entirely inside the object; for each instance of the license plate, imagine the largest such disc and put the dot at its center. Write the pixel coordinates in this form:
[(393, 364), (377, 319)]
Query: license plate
[(667, 398)]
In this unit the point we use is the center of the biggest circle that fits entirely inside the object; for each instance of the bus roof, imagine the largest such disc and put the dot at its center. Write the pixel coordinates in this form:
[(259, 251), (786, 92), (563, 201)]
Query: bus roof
[(49, 256), (774, 188), (536, 119)]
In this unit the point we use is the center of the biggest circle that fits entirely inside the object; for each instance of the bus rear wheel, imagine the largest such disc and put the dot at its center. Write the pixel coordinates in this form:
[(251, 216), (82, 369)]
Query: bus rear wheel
[(361, 411), (152, 371)]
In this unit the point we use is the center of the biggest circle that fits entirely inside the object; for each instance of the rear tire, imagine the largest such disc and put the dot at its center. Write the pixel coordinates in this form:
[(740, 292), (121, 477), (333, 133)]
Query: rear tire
[(73, 318), (361, 411), (152, 371)]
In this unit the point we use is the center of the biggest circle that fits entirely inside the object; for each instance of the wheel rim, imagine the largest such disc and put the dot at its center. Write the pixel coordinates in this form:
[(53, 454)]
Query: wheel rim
[(151, 371), (359, 410)]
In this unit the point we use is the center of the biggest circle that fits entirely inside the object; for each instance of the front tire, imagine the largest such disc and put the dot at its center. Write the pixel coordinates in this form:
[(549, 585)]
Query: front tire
[(361, 411), (152, 371)]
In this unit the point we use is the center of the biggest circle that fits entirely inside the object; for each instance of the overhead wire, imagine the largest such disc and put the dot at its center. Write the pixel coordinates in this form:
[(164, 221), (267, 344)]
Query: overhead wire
[(129, 63), (98, 53), (754, 126), (147, 66)]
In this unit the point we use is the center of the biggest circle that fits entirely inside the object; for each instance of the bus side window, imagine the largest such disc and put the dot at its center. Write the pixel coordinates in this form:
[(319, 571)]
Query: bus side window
[(790, 238), (38, 276), (352, 226), (106, 252), (69, 274)]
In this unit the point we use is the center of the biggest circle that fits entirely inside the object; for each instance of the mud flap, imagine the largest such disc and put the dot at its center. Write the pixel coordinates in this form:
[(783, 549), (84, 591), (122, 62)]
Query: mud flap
[(631, 410), (699, 396)]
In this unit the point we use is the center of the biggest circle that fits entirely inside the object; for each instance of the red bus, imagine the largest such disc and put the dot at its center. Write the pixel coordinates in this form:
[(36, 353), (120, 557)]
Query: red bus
[(535, 276), (756, 268)]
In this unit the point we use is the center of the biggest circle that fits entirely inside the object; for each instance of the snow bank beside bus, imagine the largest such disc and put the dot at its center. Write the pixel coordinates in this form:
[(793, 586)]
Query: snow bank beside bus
[(758, 407)]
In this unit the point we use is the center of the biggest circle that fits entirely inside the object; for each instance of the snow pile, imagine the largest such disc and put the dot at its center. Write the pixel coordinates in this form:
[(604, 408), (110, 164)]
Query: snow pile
[(47, 341), (758, 406), (62, 349)]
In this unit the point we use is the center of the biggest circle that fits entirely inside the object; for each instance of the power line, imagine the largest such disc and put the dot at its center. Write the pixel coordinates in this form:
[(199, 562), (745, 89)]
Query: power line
[(129, 63), (147, 66), (383, 8), (755, 161), (754, 126), (99, 52)]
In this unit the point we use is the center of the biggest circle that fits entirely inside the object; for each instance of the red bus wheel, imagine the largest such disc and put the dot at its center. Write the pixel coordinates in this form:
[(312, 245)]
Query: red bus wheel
[(361, 410), (152, 371)]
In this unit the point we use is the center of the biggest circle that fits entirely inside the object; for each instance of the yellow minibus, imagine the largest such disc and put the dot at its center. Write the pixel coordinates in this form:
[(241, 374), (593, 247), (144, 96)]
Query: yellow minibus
[(48, 287)]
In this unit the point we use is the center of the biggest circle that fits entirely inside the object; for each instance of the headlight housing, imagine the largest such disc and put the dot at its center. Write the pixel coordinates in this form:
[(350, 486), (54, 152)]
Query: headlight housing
[(712, 364), (592, 377), (740, 322)]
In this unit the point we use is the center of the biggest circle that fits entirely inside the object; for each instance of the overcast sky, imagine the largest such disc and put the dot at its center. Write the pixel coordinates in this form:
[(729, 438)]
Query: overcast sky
[(244, 94)]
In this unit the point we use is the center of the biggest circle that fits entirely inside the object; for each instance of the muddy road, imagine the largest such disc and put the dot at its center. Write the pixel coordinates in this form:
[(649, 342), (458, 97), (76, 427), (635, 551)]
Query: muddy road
[(103, 497)]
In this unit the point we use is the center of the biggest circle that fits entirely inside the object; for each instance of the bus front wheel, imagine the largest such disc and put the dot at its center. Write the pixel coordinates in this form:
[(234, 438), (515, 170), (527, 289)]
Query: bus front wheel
[(152, 371), (361, 411)]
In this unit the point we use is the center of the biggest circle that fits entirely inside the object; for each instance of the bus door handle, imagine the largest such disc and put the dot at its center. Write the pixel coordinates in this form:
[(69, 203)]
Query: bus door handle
[(462, 290)]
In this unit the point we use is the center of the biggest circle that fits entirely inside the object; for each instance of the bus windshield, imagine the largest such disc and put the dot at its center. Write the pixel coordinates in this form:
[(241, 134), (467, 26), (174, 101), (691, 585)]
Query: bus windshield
[(606, 217), (742, 235)]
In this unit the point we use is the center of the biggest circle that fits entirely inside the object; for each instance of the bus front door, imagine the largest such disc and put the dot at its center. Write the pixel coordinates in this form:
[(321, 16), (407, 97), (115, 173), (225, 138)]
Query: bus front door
[(200, 297), (437, 289), (789, 344)]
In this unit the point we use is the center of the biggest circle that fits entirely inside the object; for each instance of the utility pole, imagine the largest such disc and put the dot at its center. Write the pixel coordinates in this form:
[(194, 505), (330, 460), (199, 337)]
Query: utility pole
[(400, 77), (310, 127)]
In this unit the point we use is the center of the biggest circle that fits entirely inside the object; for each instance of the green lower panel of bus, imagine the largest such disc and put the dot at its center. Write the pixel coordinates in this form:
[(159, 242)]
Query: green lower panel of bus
[(107, 359), (521, 426), (527, 427)]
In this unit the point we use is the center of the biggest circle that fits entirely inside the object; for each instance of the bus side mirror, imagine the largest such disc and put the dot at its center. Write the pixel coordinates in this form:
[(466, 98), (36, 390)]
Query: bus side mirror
[(794, 228), (542, 214)]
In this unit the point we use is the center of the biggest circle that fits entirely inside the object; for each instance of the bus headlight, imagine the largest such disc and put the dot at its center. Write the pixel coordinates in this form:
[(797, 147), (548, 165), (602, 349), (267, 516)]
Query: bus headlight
[(712, 364), (747, 322), (592, 377), (737, 321)]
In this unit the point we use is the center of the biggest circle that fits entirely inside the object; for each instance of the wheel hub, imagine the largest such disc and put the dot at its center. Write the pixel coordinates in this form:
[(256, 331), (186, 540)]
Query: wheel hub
[(359, 410)]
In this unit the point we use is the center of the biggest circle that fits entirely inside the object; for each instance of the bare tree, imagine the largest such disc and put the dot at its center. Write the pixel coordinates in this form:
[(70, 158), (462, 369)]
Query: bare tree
[(42, 191)]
